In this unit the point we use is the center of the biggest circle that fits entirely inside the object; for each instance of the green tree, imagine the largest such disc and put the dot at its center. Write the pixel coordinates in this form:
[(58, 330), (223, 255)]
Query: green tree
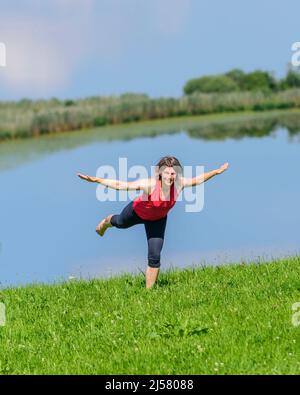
[(292, 80), (258, 80), (212, 83), (237, 75)]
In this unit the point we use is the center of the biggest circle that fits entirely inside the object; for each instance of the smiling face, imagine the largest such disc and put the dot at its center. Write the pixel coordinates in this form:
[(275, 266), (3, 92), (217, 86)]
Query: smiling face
[(168, 175)]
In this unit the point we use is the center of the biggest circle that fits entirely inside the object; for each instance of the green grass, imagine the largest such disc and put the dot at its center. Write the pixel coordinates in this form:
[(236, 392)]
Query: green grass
[(234, 319)]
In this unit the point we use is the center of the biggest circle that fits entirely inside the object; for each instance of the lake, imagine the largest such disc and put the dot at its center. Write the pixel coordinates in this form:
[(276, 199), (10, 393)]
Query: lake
[(48, 215)]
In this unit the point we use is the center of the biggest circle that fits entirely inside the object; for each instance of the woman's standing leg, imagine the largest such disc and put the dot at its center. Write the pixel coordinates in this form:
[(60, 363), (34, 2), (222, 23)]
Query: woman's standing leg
[(155, 231)]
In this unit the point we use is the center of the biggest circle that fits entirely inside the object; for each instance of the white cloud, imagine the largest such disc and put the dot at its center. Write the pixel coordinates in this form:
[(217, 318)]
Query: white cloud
[(32, 64), (46, 45), (40, 56), (48, 41)]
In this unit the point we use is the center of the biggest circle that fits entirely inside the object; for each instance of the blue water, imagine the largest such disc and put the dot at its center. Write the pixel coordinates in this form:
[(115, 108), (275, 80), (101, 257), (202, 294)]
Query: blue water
[(48, 215)]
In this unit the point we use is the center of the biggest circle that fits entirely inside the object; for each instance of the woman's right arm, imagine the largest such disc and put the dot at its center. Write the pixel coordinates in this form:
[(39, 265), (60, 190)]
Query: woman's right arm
[(144, 184)]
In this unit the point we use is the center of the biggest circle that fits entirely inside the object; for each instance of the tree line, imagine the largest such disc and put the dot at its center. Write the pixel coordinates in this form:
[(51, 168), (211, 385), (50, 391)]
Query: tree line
[(237, 80)]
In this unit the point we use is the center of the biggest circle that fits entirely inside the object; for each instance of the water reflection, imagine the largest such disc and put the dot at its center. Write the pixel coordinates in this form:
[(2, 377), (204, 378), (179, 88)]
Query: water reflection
[(249, 126), (212, 127)]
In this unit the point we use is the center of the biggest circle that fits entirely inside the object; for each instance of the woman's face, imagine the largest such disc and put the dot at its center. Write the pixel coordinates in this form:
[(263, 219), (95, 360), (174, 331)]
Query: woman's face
[(168, 175)]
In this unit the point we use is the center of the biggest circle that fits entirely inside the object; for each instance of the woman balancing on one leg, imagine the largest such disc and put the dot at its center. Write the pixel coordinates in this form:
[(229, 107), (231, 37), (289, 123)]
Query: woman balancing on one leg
[(151, 208)]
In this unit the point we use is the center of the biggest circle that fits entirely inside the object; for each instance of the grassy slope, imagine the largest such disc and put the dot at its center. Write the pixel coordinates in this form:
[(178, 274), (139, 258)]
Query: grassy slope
[(231, 319)]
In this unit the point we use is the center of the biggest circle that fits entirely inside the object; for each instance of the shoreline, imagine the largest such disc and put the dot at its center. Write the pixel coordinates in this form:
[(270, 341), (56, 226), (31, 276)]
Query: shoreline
[(160, 124)]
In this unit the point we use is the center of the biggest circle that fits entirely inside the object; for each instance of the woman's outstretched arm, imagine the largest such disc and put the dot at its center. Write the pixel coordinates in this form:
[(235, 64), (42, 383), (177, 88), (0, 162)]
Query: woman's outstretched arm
[(142, 184), (190, 182)]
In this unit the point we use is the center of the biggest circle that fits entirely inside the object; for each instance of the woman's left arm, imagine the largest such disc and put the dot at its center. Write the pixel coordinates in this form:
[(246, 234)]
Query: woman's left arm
[(190, 182)]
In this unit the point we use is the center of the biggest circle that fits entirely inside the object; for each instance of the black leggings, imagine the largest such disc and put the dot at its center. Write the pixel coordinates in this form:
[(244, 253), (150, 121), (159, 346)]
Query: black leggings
[(155, 231)]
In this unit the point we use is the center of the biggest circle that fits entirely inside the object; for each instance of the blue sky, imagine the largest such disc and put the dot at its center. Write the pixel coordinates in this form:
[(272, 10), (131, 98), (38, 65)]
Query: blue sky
[(80, 48)]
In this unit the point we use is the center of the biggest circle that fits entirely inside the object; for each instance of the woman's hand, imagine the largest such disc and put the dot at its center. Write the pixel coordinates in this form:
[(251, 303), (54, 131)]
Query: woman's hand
[(87, 178), (222, 168)]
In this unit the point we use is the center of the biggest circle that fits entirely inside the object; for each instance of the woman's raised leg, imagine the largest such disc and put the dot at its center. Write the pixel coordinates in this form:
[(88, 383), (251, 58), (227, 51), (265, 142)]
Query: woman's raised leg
[(124, 220)]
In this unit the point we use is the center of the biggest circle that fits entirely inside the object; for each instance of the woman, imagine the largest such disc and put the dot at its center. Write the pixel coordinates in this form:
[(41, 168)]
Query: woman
[(151, 208)]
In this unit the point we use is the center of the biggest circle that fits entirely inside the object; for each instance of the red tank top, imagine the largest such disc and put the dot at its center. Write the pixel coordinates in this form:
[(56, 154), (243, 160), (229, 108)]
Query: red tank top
[(151, 207)]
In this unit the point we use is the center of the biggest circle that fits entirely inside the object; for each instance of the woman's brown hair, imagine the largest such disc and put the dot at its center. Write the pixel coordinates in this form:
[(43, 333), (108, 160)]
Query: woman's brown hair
[(168, 161)]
